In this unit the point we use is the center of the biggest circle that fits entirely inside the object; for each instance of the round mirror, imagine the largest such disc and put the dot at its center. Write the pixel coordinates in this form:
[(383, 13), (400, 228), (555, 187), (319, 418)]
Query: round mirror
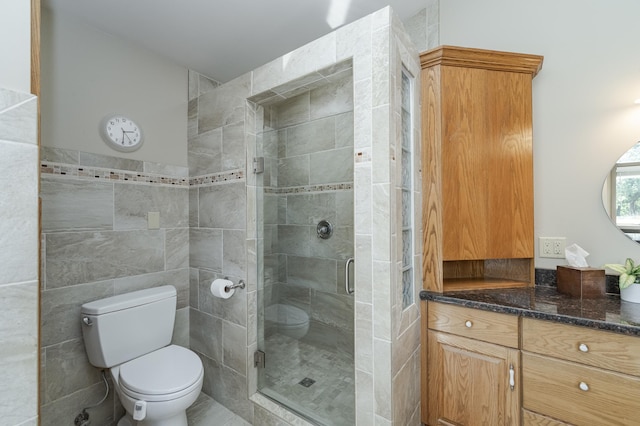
[(621, 193)]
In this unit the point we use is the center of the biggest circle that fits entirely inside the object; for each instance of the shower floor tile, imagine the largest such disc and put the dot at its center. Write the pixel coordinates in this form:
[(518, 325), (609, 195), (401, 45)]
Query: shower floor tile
[(291, 364)]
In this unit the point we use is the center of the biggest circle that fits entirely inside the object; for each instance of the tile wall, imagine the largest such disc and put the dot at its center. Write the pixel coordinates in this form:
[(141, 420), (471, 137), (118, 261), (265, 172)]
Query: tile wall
[(96, 243), (19, 259)]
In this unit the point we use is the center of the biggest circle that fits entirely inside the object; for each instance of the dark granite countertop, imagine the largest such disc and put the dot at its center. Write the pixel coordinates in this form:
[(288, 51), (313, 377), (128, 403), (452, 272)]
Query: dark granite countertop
[(542, 302)]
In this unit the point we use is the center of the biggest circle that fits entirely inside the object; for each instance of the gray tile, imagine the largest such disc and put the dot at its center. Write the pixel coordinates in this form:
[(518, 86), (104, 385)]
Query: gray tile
[(69, 406), (223, 206), (206, 84), (319, 274), (205, 153), (19, 212), (76, 204), (234, 343), (18, 122), (233, 146), (333, 166), (19, 352), (109, 162), (333, 98), (60, 310), (205, 249), (339, 246), (192, 118), (193, 207), (134, 202), (313, 136), (59, 155), (230, 389), (179, 278), (292, 111), (181, 328), (165, 169), (332, 309), (224, 104), (234, 254), (344, 130), (293, 171), (205, 334), (81, 257), (294, 239), (309, 209), (67, 370), (205, 409), (177, 248)]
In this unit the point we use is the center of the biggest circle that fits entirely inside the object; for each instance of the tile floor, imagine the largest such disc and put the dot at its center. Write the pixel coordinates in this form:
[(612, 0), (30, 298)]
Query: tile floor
[(208, 412), (290, 363)]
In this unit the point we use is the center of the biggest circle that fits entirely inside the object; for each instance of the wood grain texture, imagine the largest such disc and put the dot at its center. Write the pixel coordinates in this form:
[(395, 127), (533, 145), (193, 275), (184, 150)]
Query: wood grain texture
[(470, 382), (455, 56), (431, 181), (35, 47), (529, 418), (500, 329), (477, 164), (551, 387), (611, 351)]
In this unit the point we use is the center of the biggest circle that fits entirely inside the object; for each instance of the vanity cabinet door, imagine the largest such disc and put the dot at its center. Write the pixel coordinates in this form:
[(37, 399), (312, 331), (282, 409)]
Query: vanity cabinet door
[(472, 382)]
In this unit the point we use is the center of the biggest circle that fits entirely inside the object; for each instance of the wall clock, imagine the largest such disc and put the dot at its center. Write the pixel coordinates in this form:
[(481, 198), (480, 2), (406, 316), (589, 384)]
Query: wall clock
[(121, 133)]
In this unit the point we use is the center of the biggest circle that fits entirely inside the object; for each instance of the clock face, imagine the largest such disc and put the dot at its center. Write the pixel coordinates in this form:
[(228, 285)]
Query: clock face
[(121, 133)]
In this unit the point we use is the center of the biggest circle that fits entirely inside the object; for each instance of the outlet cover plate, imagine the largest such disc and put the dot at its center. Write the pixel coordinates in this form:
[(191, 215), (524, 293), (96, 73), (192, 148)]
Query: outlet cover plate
[(552, 247)]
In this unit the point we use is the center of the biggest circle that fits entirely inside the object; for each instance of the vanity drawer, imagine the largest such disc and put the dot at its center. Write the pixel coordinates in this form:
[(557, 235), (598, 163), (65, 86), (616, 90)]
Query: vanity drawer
[(602, 349), (529, 418), (501, 329), (579, 394)]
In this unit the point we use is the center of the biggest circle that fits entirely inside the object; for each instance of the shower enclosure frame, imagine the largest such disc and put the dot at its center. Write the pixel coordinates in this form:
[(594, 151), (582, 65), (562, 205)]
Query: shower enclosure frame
[(387, 385)]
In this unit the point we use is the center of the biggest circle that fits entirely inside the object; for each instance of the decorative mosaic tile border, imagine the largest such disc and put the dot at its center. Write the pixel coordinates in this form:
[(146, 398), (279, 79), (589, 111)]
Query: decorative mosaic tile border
[(124, 176), (216, 178), (309, 188)]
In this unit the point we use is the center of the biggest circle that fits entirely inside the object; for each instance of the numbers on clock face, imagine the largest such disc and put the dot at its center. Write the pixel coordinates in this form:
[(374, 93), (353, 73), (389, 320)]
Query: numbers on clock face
[(123, 131)]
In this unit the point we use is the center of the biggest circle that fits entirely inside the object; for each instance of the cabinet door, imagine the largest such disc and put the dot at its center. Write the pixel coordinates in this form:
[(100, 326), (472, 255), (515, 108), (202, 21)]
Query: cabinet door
[(487, 164), (471, 382)]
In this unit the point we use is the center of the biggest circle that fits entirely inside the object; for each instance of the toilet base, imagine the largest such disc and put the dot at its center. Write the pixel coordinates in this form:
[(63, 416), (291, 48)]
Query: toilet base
[(178, 420)]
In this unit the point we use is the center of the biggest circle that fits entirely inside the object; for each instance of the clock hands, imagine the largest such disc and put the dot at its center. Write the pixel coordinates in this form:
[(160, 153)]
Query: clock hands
[(124, 133)]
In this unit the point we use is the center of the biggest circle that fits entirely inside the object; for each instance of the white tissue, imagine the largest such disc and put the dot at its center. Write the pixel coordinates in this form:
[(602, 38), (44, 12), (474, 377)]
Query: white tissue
[(219, 289), (576, 256)]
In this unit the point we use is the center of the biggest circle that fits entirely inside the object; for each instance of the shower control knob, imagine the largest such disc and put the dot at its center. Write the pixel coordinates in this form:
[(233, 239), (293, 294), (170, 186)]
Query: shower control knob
[(324, 229)]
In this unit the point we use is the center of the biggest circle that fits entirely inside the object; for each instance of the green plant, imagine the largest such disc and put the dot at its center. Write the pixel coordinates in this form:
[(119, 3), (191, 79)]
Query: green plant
[(628, 272)]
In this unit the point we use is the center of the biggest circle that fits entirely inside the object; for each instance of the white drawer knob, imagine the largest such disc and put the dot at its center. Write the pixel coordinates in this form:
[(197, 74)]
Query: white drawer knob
[(468, 324), (583, 347), (584, 386)]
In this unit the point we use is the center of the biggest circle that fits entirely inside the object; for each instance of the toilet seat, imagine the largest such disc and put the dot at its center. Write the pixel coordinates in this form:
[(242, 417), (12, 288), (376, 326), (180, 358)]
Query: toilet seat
[(168, 373)]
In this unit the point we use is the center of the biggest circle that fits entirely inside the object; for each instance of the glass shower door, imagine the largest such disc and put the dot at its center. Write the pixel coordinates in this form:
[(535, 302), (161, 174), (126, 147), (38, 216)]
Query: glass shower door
[(306, 250)]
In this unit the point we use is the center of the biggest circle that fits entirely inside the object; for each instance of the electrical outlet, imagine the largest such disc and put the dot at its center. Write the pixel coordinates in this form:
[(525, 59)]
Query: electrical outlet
[(552, 247)]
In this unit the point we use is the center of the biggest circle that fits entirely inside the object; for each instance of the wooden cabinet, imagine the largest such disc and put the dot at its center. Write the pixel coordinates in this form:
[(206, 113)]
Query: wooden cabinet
[(579, 376), (473, 367), (477, 168)]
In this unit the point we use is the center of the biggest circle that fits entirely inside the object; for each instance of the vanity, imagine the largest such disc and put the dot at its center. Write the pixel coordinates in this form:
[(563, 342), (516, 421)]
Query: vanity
[(531, 356), (497, 349)]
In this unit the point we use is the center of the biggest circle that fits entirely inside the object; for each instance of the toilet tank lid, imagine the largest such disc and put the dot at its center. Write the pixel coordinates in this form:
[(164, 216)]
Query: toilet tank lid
[(128, 300)]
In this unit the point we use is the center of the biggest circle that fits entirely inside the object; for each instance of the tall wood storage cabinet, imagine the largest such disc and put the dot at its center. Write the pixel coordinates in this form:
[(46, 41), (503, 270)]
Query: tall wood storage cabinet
[(477, 168)]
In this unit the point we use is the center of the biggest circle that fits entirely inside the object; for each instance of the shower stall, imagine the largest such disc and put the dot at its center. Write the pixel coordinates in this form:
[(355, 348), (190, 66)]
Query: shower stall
[(306, 219)]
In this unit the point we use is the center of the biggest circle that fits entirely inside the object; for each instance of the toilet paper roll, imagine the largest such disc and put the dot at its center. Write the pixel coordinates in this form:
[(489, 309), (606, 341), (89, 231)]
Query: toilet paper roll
[(219, 288)]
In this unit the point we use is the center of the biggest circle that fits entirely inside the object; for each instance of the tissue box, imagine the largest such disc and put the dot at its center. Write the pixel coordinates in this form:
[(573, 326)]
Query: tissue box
[(586, 283)]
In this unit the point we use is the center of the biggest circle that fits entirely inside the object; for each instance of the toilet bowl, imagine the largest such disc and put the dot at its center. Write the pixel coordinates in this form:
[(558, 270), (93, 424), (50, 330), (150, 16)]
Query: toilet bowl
[(287, 319), (130, 334)]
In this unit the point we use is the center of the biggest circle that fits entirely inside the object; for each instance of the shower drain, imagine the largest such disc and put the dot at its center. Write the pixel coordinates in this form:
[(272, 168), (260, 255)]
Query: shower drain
[(306, 382)]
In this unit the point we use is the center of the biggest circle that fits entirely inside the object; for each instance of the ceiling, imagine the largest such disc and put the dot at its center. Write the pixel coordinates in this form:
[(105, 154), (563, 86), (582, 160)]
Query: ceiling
[(223, 39)]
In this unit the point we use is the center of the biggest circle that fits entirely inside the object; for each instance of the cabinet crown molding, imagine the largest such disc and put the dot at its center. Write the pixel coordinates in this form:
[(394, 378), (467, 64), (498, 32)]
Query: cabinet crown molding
[(455, 56)]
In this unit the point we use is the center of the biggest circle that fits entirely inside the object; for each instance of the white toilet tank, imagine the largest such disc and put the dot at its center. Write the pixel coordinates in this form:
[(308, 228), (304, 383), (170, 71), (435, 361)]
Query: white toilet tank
[(120, 328)]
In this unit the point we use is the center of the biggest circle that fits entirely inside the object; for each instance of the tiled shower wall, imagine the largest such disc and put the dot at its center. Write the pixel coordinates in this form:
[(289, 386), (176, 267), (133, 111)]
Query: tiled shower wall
[(96, 243), (308, 149), (19, 259)]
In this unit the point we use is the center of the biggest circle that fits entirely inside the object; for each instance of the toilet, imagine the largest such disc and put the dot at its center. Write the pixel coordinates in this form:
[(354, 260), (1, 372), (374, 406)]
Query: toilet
[(130, 334), (287, 319)]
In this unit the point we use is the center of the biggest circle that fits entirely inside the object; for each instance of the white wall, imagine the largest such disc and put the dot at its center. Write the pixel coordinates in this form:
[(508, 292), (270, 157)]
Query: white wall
[(87, 74), (15, 45), (584, 116)]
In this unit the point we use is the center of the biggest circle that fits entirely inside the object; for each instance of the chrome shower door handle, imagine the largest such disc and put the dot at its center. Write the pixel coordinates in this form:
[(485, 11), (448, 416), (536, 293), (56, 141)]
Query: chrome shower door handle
[(347, 281)]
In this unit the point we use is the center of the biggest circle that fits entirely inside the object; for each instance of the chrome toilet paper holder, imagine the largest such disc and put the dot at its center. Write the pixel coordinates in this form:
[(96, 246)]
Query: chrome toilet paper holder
[(240, 284)]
